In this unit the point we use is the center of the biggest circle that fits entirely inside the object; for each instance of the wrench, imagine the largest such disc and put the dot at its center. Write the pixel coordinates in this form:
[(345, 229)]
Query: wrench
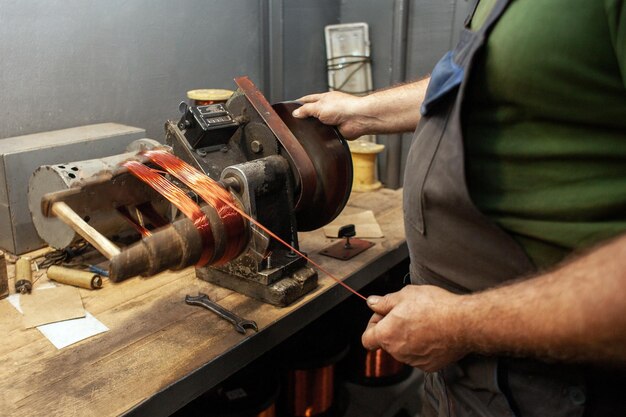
[(240, 324)]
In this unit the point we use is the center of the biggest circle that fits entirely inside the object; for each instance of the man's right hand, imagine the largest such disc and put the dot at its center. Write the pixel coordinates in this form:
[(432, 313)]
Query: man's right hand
[(394, 110), (345, 111)]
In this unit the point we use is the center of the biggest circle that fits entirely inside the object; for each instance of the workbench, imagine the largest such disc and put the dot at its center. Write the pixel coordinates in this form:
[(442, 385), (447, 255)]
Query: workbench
[(160, 353)]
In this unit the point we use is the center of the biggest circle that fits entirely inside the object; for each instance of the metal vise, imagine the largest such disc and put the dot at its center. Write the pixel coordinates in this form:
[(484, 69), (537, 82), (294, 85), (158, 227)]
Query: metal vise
[(288, 174)]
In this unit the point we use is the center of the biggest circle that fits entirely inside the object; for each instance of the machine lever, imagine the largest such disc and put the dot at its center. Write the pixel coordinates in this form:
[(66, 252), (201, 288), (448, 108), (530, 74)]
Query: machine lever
[(240, 324)]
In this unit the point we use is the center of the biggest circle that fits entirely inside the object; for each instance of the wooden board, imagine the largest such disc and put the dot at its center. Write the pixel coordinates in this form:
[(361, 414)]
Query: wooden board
[(161, 353)]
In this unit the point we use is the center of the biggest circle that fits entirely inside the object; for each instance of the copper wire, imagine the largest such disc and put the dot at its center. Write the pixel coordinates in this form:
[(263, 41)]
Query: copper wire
[(212, 193), (148, 211), (178, 198), (311, 391), (123, 211)]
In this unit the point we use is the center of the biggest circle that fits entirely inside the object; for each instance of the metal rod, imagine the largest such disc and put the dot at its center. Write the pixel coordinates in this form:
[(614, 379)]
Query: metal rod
[(398, 75), (73, 220)]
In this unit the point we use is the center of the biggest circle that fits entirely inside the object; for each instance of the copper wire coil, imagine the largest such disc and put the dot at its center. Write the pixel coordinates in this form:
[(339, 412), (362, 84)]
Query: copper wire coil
[(310, 391), (208, 189), (268, 412), (379, 364), (212, 193), (178, 198)]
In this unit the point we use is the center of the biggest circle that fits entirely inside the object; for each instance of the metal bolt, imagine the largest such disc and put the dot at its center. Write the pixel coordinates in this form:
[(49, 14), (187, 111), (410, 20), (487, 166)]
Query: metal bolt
[(256, 146), (201, 152)]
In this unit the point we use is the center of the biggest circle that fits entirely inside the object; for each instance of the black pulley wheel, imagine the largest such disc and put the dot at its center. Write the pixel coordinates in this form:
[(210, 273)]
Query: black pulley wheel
[(329, 152)]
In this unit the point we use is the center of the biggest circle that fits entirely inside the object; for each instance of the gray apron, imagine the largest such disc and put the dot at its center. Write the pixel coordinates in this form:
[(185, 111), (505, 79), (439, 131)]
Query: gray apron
[(454, 246)]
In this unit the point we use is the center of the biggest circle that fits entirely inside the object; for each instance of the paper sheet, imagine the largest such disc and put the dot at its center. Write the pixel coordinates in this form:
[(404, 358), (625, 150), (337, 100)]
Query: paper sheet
[(65, 333), (51, 305), (364, 222)]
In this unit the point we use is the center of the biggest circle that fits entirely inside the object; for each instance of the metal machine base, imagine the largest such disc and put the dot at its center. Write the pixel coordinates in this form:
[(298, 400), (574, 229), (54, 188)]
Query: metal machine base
[(280, 293)]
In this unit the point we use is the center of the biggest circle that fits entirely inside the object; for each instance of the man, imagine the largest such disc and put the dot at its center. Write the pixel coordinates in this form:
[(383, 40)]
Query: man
[(519, 161)]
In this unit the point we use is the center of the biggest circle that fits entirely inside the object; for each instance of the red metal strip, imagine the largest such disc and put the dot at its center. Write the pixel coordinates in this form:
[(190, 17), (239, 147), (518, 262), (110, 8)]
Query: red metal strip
[(302, 164)]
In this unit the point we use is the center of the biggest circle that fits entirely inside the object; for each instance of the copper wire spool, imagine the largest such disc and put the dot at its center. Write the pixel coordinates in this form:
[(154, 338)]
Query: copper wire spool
[(311, 388), (209, 190), (376, 367), (213, 194), (311, 391)]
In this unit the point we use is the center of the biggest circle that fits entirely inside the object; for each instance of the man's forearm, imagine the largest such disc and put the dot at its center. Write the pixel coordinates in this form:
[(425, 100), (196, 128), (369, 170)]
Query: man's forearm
[(575, 312), (396, 109)]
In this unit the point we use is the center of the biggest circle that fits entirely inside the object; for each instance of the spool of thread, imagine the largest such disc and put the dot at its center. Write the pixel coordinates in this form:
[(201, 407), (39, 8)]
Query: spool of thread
[(365, 176), (4, 277), (23, 276), (75, 277), (208, 96)]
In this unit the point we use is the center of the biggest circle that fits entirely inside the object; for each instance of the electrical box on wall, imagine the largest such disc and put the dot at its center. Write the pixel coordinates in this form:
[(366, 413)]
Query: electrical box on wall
[(20, 156), (348, 60)]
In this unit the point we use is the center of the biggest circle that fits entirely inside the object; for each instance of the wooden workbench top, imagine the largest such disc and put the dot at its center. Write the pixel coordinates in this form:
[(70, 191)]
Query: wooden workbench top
[(161, 353)]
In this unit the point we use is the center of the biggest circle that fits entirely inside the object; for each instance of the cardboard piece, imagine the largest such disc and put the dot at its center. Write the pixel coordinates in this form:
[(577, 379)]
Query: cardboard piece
[(51, 305), (364, 222)]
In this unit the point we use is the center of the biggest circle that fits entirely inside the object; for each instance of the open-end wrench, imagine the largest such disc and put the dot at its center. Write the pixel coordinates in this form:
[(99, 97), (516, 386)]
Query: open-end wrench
[(240, 324)]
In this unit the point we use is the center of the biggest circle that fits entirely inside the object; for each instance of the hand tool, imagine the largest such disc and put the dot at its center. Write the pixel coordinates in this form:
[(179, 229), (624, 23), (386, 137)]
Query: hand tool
[(240, 324)]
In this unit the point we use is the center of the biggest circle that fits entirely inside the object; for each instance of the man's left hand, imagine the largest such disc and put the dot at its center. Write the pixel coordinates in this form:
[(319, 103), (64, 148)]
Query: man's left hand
[(418, 326)]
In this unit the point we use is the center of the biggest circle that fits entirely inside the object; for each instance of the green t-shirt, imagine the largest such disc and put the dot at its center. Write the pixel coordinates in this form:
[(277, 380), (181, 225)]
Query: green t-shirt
[(545, 124)]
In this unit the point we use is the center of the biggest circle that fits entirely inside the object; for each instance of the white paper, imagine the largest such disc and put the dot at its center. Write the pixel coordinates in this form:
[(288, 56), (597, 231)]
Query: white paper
[(14, 299), (68, 332)]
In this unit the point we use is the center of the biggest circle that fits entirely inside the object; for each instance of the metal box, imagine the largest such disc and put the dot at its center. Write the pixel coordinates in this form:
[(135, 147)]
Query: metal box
[(21, 155)]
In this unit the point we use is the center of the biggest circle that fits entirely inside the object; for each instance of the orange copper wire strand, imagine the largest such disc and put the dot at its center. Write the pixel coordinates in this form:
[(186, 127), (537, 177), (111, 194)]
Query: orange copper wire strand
[(203, 184), (178, 198), (123, 211)]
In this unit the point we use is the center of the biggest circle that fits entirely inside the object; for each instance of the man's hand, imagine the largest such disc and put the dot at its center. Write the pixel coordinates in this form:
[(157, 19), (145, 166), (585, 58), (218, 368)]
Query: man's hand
[(343, 110), (394, 110), (576, 312), (417, 326)]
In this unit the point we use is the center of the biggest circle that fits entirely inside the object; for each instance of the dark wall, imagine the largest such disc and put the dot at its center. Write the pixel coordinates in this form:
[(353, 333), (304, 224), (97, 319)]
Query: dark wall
[(304, 46), (71, 62)]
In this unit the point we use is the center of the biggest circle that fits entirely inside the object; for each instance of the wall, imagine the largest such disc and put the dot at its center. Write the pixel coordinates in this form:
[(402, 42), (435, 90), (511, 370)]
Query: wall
[(305, 50), (71, 62)]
